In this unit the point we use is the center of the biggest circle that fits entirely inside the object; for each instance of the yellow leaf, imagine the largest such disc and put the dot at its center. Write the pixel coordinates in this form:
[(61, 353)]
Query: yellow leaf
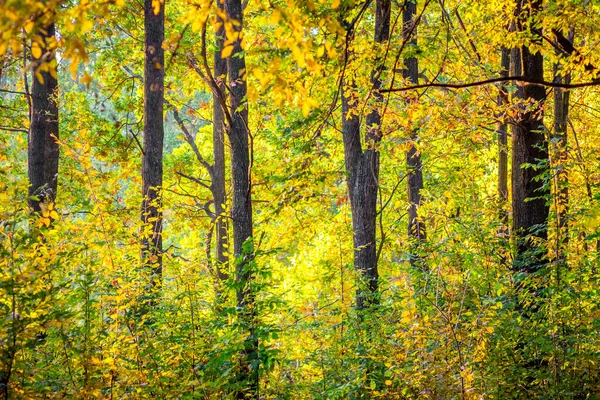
[(36, 50), (87, 78), (388, 382), (305, 109), (335, 4), (39, 77), (156, 6), (226, 52)]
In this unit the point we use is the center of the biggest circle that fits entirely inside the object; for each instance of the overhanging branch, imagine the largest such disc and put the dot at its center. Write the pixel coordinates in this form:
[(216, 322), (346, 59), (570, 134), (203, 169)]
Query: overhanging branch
[(517, 79)]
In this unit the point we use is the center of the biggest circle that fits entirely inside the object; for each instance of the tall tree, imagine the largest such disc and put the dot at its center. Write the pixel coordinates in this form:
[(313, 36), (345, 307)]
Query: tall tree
[(218, 167), (560, 158), (416, 227), (43, 150), (241, 212), (503, 139), (152, 162), (362, 166), (529, 147)]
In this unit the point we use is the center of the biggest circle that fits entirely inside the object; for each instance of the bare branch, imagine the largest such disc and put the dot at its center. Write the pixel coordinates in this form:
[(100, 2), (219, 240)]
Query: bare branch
[(190, 140), (9, 129), (518, 79), (193, 179)]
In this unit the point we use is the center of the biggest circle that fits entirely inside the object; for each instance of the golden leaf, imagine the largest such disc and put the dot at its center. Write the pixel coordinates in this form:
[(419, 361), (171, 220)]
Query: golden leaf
[(226, 52)]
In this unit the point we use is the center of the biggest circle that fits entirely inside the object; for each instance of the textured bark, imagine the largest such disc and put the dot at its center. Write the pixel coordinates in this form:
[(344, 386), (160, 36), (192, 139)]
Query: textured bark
[(43, 150), (416, 227), (218, 167), (362, 168), (152, 162), (529, 194), (560, 158), (503, 140), (241, 212)]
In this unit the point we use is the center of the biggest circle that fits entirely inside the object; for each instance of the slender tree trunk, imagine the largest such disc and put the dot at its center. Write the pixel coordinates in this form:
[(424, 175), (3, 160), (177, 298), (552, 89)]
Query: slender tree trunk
[(362, 168), (529, 193), (560, 158), (241, 212), (502, 140), (43, 150), (152, 162), (218, 168), (416, 227)]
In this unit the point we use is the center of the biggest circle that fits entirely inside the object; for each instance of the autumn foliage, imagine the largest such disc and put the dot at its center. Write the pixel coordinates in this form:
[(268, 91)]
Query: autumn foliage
[(466, 300)]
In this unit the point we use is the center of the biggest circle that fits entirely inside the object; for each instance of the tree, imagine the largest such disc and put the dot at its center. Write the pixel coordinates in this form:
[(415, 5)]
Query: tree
[(218, 167), (503, 139), (241, 211), (529, 151), (560, 159), (43, 150), (416, 227), (362, 165), (152, 161)]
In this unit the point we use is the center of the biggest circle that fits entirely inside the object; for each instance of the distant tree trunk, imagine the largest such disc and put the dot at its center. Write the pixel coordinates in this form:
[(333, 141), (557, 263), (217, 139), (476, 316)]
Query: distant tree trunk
[(43, 150), (218, 168), (152, 162), (241, 212), (560, 158), (529, 147), (362, 168), (502, 140), (416, 227)]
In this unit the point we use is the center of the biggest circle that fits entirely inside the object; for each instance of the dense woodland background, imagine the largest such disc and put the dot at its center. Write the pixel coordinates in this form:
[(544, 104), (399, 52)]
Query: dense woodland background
[(297, 199)]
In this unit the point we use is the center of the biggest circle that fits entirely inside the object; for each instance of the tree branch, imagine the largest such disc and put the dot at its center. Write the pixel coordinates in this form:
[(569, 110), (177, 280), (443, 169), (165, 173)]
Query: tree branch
[(518, 79), (190, 140), (193, 179)]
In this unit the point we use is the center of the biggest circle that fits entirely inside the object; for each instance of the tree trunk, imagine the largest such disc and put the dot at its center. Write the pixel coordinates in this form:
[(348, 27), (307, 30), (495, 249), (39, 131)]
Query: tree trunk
[(529, 147), (241, 212), (43, 150), (152, 162), (362, 168), (503, 140), (416, 227), (218, 168), (560, 158), (529, 193)]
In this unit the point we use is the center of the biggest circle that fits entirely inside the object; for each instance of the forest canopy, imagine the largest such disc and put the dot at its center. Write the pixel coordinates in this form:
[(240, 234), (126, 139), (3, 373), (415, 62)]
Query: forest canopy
[(299, 199)]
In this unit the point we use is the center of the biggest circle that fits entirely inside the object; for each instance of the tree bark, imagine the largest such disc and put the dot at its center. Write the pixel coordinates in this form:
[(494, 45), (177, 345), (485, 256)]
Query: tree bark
[(503, 140), (241, 212), (43, 150), (416, 227), (362, 168), (152, 162), (218, 168), (560, 158), (529, 192)]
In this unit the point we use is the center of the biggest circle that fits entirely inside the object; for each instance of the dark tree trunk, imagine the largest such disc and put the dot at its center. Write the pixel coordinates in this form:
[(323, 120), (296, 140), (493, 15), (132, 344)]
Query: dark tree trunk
[(241, 212), (529, 147), (43, 150), (218, 168), (416, 227), (362, 168), (560, 158), (503, 140), (152, 162)]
